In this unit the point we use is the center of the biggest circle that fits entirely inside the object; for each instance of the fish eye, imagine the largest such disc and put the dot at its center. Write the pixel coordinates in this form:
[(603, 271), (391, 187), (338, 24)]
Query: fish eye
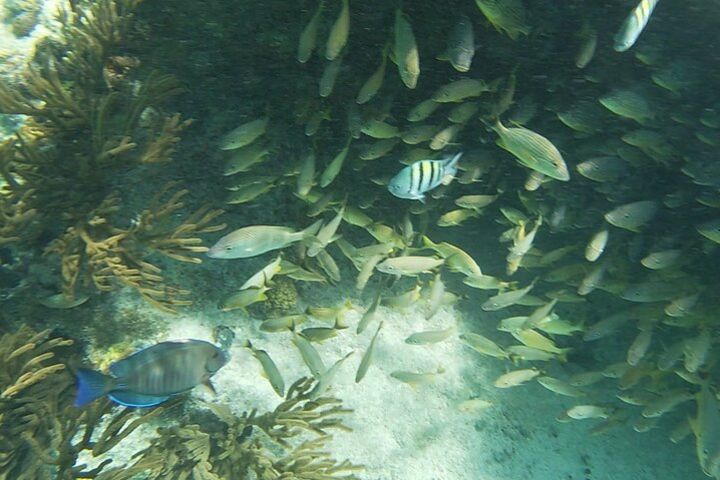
[(228, 248)]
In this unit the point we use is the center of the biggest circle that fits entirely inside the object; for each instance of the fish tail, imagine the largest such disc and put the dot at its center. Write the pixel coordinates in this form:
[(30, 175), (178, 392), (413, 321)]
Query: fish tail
[(91, 385), (311, 231), (451, 165)]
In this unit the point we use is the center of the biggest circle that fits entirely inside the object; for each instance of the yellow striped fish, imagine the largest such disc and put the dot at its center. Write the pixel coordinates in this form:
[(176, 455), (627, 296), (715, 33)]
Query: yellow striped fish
[(413, 181), (634, 25)]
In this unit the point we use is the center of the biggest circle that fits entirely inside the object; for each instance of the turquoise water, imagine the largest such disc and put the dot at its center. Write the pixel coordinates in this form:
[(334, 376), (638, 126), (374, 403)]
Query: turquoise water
[(551, 309)]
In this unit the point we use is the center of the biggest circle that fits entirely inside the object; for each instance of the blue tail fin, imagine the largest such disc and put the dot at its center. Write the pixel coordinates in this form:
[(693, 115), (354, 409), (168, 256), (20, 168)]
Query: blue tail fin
[(91, 385)]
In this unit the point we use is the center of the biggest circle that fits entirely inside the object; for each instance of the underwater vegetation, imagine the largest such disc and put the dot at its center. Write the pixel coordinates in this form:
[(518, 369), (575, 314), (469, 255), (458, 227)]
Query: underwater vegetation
[(285, 443), (89, 119), (43, 433)]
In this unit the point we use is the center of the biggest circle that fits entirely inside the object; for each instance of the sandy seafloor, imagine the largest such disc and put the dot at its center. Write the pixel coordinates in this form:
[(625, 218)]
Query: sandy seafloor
[(401, 433)]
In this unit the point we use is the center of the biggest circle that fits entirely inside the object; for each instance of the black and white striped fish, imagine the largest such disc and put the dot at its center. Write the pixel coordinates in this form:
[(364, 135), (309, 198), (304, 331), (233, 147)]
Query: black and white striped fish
[(415, 180), (634, 25)]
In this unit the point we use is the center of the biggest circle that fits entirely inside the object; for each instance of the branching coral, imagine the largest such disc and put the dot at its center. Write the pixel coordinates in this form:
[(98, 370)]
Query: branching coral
[(41, 432), (113, 256), (90, 120), (287, 443)]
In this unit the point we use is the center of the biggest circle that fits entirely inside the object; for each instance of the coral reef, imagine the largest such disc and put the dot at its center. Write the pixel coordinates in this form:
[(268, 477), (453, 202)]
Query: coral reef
[(41, 432), (90, 120), (282, 298), (285, 443)]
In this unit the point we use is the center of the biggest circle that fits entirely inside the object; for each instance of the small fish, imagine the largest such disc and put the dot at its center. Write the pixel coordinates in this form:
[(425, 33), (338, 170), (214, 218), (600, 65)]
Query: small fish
[(263, 276), (463, 113), (410, 265), (529, 354), (588, 44), (413, 181), (308, 37), (483, 345), (60, 301), (367, 356), (437, 293), (379, 129), (533, 339), (505, 299), (328, 265), (485, 282), (378, 149), (710, 230), (335, 166), (370, 313), (244, 298), (681, 306), (419, 134), (414, 378), (516, 377), (282, 324), (456, 259), (269, 368), (508, 16), (320, 334), (474, 405), (309, 354), (561, 388), (706, 427), (373, 84), (666, 403), (454, 218), (633, 25), (422, 110), (405, 50), (584, 379), (696, 350), (306, 175), (533, 151), (326, 379), (602, 169), (592, 280), (255, 240), (366, 271), (326, 234), (338, 32), (444, 137), (329, 77), (430, 336), (403, 300), (639, 347), (244, 135), (459, 90), (461, 45), (632, 216), (475, 202), (628, 104), (248, 193), (596, 245), (152, 375), (243, 159), (584, 412)]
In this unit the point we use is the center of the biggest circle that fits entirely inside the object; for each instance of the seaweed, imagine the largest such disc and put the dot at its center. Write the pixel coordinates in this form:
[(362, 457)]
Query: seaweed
[(288, 442)]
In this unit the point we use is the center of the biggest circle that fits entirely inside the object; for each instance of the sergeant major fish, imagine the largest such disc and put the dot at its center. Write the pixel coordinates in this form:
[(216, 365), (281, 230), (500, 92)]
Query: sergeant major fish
[(413, 181), (152, 375)]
